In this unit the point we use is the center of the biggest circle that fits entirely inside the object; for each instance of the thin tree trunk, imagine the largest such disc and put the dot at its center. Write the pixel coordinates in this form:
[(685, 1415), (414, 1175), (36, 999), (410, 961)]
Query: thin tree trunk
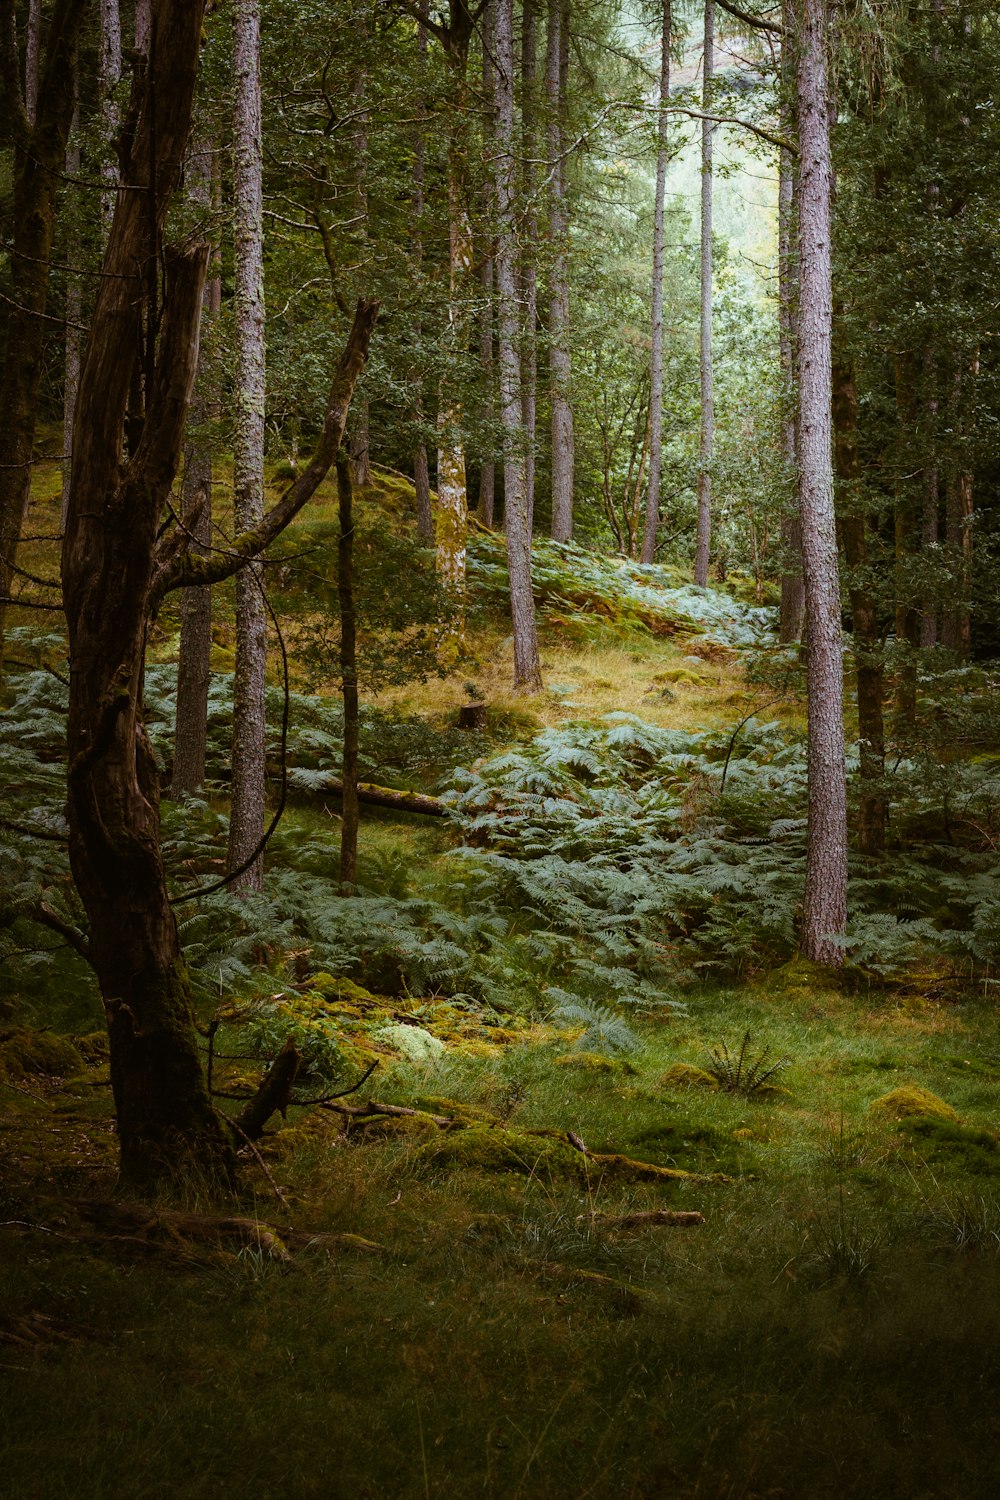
[(487, 470), (246, 825), (824, 912), (706, 436), (74, 312), (648, 553), (194, 656), (39, 157), (421, 473), (931, 494), (868, 654), (792, 597), (556, 68), (360, 441), (349, 678), (529, 249), (108, 78), (527, 670), (906, 527), (32, 54)]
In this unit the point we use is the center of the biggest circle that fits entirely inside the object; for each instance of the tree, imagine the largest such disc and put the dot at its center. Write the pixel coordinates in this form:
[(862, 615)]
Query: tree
[(39, 158), (824, 913), (527, 670), (656, 327), (707, 424), (246, 817), (556, 74), (119, 562)]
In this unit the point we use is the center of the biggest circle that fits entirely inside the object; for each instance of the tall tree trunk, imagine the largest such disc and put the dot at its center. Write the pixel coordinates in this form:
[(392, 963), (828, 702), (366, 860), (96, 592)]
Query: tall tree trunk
[(824, 912), (930, 494), (39, 157), (194, 656), (648, 554), (906, 525), (868, 654), (487, 465), (163, 1107), (360, 441), (246, 826), (74, 312), (792, 599), (706, 435), (108, 78), (556, 69), (349, 677), (529, 249), (956, 626), (32, 56), (421, 472), (527, 670)]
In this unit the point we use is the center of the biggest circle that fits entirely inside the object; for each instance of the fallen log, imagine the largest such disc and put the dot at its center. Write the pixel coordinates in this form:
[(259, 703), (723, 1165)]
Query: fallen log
[(387, 796)]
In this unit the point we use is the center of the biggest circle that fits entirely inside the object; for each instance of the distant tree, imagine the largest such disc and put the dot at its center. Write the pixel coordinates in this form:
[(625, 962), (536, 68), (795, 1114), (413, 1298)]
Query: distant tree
[(656, 301)]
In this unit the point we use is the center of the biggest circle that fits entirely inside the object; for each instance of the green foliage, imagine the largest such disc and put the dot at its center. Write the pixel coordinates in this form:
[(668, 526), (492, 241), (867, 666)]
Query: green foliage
[(736, 1073)]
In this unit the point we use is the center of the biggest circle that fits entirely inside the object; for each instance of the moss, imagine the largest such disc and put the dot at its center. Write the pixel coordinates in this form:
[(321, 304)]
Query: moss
[(538, 1153), (682, 1075), (439, 1104), (945, 1141), (24, 1053), (335, 987), (398, 1127), (682, 675), (94, 1047), (593, 1062), (912, 1100), (801, 977)]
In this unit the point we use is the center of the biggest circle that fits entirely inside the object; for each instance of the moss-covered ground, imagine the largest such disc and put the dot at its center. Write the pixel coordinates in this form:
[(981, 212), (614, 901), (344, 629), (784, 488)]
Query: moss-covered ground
[(831, 1329)]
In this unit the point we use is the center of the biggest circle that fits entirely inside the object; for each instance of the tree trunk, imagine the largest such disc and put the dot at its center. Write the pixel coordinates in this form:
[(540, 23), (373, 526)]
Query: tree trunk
[(108, 78), (529, 250), (421, 473), (194, 656), (706, 436), (360, 440), (824, 913), (556, 69), (349, 678), (648, 554), (931, 496), (487, 468), (38, 160), (868, 655), (74, 312), (246, 827), (527, 670), (906, 527), (792, 599), (163, 1107)]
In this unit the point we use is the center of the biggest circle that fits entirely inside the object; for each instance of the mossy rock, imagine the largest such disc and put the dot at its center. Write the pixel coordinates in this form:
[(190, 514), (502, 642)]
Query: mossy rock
[(336, 987), (682, 1075), (419, 1127), (801, 977), (911, 1100), (94, 1047), (682, 675), (593, 1062), (24, 1053), (416, 1045)]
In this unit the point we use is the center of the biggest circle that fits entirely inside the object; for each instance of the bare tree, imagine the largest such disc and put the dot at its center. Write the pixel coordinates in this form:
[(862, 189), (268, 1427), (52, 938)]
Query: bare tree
[(656, 328), (824, 912), (707, 425), (248, 775), (556, 71), (527, 670)]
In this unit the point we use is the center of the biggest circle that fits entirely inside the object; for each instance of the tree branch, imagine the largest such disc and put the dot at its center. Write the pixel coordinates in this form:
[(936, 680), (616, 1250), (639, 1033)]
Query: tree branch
[(46, 917), (761, 23), (182, 570)]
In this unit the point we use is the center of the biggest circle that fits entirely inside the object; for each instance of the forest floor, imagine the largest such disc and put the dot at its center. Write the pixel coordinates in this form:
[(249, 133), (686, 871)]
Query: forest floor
[(464, 1308)]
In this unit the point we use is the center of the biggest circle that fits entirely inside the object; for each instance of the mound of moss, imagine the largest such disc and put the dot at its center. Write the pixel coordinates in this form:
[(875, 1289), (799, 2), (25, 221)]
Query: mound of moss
[(25, 1053), (682, 1075), (594, 1062), (954, 1145), (911, 1100), (485, 1148)]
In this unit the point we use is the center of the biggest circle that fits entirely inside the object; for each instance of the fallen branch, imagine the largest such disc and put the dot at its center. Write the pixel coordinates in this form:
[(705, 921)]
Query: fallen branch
[(274, 1094), (387, 796)]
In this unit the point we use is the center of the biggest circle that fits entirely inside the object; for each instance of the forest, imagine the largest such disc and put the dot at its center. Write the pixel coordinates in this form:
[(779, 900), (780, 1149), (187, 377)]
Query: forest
[(499, 749)]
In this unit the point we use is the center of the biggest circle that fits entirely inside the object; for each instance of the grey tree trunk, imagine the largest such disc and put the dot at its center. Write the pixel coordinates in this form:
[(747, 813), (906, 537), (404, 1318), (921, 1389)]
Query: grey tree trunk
[(74, 312), (194, 657), (32, 53), (529, 249), (527, 670), (421, 473), (487, 471), (108, 79), (824, 914), (143, 10), (792, 597), (707, 426), (360, 439), (648, 552), (246, 827), (556, 69)]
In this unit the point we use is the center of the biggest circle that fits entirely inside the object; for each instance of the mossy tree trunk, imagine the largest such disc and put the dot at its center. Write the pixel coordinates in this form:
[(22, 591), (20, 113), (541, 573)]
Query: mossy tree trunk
[(349, 675)]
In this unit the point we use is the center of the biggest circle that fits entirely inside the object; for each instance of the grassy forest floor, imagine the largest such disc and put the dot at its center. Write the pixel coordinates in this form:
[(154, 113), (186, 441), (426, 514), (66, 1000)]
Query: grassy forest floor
[(453, 1301)]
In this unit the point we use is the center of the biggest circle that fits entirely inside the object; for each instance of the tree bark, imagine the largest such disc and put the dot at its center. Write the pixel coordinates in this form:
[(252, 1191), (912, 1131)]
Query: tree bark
[(487, 466), (32, 53), (108, 78), (246, 824), (527, 669), (868, 655), (792, 597), (39, 157), (556, 69), (529, 250), (648, 554), (706, 436), (421, 473), (349, 678), (74, 312), (194, 656), (824, 912)]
